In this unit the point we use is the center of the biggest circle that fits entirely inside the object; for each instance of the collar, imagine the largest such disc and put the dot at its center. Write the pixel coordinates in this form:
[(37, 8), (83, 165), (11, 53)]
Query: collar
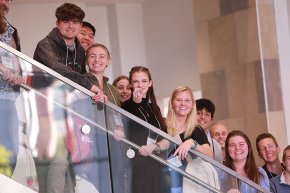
[(106, 79), (283, 180)]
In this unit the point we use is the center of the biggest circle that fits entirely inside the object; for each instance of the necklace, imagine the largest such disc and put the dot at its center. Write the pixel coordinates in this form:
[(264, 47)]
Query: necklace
[(143, 110)]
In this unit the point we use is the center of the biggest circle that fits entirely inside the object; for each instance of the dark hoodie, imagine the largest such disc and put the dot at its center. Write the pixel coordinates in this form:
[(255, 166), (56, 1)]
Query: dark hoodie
[(54, 53)]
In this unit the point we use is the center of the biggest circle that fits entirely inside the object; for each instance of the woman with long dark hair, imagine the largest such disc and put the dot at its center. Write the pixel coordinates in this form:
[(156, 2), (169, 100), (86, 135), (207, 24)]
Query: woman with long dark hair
[(146, 173), (240, 158)]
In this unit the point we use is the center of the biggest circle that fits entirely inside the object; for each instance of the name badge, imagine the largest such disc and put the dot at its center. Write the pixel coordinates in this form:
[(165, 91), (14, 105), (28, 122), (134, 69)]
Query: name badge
[(150, 141), (86, 129), (130, 153), (6, 61), (118, 119), (175, 161)]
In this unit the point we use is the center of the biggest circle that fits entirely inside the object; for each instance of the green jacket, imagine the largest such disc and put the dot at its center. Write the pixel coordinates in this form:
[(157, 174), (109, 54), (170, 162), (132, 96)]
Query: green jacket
[(109, 90)]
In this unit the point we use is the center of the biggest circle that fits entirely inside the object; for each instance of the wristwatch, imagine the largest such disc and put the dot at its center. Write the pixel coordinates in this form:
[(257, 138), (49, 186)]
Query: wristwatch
[(157, 149), (194, 144)]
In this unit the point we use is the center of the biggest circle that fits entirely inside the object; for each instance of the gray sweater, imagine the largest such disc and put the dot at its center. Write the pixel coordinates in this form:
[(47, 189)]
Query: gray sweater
[(279, 185)]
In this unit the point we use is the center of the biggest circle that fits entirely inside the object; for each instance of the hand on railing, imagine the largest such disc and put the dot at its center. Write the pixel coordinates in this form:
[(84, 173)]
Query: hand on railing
[(9, 76), (119, 134), (145, 150), (183, 149), (233, 191), (99, 94)]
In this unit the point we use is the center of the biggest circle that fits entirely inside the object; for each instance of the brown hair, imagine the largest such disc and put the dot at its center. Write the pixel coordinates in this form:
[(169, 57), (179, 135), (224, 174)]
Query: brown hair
[(284, 153), (264, 136), (250, 166), (69, 11), (150, 94), (120, 78)]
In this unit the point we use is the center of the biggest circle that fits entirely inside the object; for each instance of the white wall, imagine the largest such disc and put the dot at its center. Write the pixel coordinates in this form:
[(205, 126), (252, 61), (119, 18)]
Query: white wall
[(282, 11), (170, 45), (158, 34)]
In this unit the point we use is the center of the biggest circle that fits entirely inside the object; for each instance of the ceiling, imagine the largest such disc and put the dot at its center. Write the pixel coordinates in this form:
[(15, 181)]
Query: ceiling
[(95, 2)]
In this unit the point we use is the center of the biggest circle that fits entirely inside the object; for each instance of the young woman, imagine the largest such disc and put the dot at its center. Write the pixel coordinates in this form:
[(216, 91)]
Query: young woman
[(123, 85), (240, 158), (102, 146), (98, 58), (181, 124), (146, 173)]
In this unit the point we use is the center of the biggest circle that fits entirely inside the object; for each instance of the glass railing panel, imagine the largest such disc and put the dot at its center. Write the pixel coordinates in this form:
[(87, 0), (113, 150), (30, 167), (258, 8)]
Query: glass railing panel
[(62, 124), (196, 173)]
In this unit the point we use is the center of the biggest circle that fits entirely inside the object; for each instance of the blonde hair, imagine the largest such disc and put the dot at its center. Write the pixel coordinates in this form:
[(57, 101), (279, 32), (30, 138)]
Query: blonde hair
[(191, 122)]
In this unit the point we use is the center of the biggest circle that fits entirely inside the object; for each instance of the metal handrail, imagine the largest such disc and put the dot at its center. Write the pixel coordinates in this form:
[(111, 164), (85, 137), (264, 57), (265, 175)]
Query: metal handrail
[(132, 117), (155, 157)]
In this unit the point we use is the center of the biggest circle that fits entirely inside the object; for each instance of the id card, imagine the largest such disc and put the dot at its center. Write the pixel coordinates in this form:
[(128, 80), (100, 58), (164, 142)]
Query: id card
[(6, 61), (150, 141), (118, 120), (175, 161)]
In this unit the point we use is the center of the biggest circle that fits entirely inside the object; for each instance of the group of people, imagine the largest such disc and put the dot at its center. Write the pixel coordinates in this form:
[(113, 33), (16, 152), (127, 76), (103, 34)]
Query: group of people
[(69, 49)]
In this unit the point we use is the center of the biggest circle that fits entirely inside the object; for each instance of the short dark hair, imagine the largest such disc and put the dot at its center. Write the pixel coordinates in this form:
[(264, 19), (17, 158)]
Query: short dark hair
[(264, 136), (69, 11), (205, 104), (89, 25)]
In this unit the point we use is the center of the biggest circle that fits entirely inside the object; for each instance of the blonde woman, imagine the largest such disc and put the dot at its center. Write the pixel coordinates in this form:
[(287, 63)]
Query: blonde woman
[(181, 124)]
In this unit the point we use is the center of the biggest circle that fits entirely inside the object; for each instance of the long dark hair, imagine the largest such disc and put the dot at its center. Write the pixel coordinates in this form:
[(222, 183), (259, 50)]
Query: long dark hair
[(250, 166), (150, 94)]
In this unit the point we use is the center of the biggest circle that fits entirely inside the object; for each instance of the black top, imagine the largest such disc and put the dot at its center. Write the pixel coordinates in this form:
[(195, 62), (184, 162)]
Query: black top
[(270, 174), (198, 135), (136, 132), (146, 172)]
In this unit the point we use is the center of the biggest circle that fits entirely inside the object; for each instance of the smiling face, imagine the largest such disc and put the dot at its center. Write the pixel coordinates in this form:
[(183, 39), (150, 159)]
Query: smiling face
[(86, 37), (182, 104), (69, 29), (141, 80), (238, 149), (97, 59), (219, 132), (268, 151), (124, 89), (204, 119)]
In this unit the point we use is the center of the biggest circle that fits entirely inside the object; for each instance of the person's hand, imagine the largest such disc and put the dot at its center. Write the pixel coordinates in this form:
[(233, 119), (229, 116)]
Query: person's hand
[(183, 149), (233, 191), (6, 73), (9, 76), (145, 150), (119, 134), (137, 95), (99, 94), (17, 80)]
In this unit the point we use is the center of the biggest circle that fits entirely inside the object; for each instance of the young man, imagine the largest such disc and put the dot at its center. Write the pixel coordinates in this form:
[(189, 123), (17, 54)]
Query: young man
[(219, 132), (205, 113), (86, 35), (61, 51), (281, 183), (9, 77), (269, 150)]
